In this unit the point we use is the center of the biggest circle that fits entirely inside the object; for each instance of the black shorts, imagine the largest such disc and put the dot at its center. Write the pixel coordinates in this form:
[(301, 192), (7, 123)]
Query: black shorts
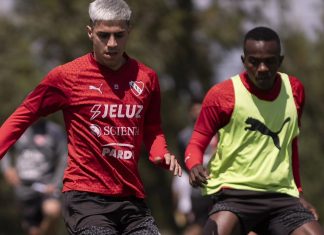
[(93, 214), (262, 212)]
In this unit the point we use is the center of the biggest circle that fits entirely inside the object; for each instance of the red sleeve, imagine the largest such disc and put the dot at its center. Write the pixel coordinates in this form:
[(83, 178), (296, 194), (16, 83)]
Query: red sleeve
[(295, 164), (43, 100), (154, 138), (14, 127), (216, 112), (49, 96), (196, 148), (299, 98)]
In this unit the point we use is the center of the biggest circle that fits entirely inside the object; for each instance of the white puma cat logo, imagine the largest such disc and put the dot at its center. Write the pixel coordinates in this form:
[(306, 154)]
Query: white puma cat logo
[(91, 87)]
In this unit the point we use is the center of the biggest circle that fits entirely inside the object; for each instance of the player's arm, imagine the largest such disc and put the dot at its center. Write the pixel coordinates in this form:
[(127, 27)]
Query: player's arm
[(198, 174), (206, 126), (43, 100), (295, 163), (14, 127), (216, 111), (299, 98), (154, 138)]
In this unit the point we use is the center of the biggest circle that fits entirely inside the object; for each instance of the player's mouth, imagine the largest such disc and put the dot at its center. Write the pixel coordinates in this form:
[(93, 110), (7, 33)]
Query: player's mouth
[(111, 53), (263, 78)]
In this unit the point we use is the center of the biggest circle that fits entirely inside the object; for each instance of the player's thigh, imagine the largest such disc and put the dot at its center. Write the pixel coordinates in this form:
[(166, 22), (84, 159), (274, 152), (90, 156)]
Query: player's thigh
[(143, 227), (222, 223), (86, 214), (137, 219), (310, 228), (293, 219), (96, 230)]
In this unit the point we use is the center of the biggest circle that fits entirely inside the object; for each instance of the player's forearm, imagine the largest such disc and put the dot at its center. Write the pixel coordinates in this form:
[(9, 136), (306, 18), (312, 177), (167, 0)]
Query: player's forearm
[(295, 164), (157, 147), (196, 148), (14, 126)]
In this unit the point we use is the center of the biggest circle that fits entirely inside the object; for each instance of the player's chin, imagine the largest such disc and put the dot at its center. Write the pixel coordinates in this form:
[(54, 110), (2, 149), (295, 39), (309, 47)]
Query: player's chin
[(264, 84)]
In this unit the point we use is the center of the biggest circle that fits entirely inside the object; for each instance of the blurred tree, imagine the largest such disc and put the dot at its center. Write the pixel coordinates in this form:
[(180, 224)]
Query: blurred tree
[(17, 71)]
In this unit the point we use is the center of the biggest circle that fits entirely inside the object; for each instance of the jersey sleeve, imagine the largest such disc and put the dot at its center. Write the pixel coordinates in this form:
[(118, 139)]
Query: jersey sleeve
[(49, 96), (154, 138), (46, 98), (295, 165), (299, 98), (196, 148), (14, 127), (216, 111)]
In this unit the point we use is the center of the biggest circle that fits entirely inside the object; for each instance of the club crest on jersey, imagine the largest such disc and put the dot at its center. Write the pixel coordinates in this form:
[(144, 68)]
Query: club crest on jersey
[(137, 87)]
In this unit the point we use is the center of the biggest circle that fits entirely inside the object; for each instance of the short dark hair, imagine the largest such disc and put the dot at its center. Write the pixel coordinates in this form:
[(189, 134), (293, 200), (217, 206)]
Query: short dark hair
[(262, 34)]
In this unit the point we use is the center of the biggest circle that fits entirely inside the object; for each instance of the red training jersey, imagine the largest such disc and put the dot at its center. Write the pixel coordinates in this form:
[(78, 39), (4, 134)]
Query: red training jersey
[(217, 109), (107, 114)]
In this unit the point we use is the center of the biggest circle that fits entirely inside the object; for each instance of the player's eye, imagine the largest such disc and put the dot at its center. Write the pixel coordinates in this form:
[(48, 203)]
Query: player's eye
[(271, 61), (119, 35), (103, 35), (254, 61)]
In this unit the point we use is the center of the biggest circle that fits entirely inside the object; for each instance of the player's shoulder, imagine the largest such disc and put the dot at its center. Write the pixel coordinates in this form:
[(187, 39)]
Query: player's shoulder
[(77, 64), (223, 90), (222, 86), (65, 75), (296, 84)]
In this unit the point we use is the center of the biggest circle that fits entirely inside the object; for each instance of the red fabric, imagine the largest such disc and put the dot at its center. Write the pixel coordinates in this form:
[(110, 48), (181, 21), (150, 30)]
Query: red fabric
[(217, 109), (14, 127), (107, 116)]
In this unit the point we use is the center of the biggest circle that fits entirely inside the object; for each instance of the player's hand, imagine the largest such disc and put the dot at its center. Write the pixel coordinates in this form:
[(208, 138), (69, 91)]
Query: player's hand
[(308, 206), (173, 164), (170, 161), (198, 176)]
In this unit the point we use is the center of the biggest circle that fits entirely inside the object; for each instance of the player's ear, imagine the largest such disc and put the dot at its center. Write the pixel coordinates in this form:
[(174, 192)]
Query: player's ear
[(90, 32), (242, 58)]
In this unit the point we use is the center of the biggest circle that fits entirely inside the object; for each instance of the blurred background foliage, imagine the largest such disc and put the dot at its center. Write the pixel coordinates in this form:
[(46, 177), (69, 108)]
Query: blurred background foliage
[(185, 45)]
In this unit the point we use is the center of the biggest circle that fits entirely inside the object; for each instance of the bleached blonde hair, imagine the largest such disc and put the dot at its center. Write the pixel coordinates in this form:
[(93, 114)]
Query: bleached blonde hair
[(106, 10)]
